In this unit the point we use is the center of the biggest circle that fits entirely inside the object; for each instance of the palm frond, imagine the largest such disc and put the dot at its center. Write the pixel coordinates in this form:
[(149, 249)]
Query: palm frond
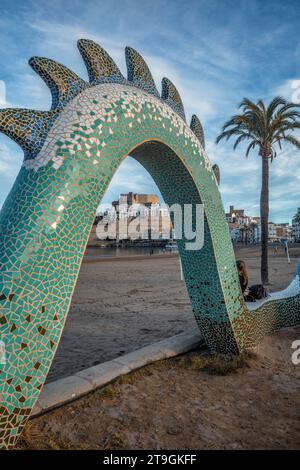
[(250, 146), (286, 121), (286, 126), (227, 134), (277, 101), (237, 119), (292, 140), (287, 115), (242, 137), (249, 106), (261, 105), (232, 132), (288, 106), (246, 103)]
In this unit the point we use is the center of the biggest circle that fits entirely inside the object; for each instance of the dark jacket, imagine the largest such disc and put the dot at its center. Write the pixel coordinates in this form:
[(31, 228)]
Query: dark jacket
[(243, 283)]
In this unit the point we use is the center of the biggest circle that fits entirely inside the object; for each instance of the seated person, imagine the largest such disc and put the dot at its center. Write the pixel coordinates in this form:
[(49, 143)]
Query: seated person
[(252, 293)]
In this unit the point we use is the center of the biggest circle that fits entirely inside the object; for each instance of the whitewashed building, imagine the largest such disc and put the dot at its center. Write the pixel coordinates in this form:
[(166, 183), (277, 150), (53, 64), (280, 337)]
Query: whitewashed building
[(296, 227)]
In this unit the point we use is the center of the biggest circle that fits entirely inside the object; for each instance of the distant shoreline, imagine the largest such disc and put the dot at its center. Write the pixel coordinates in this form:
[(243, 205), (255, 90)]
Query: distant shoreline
[(97, 259)]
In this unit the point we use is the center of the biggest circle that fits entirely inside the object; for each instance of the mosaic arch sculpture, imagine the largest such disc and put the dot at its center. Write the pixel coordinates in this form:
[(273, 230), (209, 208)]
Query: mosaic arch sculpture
[(71, 153)]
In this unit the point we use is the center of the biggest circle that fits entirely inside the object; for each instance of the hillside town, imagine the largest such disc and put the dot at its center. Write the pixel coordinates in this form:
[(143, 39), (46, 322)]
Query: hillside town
[(140, 217), (247, 229)]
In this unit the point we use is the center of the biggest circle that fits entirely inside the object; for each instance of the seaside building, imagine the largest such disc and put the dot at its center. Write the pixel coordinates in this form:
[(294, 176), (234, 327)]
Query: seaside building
[(141, 217), (280, 232), (237, 216), (296, 226), (243, 228), (138, 217), (272, 231), (247, 229)]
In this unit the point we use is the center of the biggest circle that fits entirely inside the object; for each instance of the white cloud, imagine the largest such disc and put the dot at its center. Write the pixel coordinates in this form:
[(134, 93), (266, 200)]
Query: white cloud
[(130, 176), (10, 158), (289, 89), (2, 94), (199, 97), (60, 40)]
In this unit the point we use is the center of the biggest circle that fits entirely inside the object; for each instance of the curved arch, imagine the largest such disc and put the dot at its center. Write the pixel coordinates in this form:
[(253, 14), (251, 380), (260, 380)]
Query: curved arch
[(46, 220), (200, 267)]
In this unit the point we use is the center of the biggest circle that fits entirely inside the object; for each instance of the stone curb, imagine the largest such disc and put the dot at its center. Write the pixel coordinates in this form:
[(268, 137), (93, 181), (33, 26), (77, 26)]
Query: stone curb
[(62, 391)]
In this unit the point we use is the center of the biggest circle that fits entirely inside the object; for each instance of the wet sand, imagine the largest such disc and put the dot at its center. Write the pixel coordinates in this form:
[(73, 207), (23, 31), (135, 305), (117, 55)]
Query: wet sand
[(122, 305)]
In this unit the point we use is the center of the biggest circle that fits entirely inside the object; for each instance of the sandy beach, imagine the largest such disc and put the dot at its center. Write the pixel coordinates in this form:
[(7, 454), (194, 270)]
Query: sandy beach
[(120, 305)]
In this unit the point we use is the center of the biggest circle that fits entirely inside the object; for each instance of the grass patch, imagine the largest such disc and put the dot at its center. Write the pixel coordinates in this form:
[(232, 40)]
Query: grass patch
[(217, 364), (32, 439), (109, 392), (116, 442), (26, 440)]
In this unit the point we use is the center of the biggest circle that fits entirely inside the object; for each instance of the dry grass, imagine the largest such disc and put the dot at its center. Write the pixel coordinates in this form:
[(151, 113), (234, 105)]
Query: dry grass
[(216, 364), (116, 441), (31, 439)]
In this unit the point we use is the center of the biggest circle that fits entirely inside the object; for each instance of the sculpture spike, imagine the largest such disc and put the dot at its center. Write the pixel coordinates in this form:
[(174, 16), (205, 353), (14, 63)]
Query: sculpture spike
[(138, 71), (27, 127), (63, 83), (100, 66), (197, 128), (216, 171), (171, 96)]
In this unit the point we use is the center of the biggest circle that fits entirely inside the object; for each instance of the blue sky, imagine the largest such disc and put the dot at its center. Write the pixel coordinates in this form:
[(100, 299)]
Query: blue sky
[(215, 51)]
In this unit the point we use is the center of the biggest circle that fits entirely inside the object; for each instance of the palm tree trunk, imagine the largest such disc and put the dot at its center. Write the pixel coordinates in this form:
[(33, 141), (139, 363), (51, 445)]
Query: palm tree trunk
[(264, 216)]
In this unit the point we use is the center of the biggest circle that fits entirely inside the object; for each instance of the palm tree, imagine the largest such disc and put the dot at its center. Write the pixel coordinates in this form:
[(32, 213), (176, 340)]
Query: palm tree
[(264, 128)]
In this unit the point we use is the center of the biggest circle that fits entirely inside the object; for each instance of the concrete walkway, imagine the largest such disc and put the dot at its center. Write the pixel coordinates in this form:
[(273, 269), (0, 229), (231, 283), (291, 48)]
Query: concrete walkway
[(59, 392)]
